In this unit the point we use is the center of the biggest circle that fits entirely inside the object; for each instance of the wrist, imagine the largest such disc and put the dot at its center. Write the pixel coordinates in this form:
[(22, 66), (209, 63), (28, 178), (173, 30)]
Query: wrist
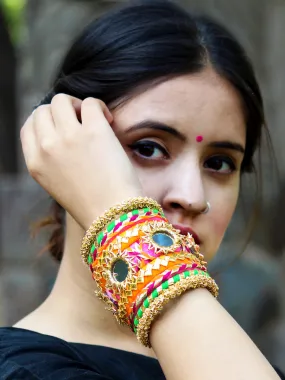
[(95, 210), (178, 312)]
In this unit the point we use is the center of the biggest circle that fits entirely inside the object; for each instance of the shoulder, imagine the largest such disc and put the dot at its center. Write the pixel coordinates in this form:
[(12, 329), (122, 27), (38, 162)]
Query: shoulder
[(28, 355), (18, 344)]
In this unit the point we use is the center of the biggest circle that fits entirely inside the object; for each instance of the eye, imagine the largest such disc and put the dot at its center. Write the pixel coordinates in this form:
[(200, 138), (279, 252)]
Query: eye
[(220, 164), (149, 150)]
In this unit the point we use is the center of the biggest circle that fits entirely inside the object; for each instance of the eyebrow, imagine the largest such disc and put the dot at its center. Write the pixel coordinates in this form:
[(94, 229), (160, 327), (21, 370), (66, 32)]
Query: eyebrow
[(152, 124), (159, 126), (228, 145)]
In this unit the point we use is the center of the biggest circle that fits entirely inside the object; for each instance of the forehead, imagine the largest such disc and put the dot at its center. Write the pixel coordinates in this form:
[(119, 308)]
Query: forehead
[(194, 103)]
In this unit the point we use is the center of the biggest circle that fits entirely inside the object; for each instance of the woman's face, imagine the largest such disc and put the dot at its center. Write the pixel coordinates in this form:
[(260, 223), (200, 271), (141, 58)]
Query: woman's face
[(186, 139)]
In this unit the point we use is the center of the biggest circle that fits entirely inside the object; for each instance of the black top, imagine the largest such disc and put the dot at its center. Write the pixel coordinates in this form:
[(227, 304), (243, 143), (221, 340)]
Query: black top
[(28, 355)]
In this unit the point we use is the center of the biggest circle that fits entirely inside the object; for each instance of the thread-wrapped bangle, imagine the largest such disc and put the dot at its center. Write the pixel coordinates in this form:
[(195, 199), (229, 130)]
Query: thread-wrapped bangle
[(154, 304), (134, 253), (101, 222), (143, 261), (170, 274), (118, 227), (124, 220)]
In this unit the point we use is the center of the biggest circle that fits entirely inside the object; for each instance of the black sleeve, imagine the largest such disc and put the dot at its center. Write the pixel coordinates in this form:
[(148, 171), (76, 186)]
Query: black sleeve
[(29, 356), (12, 371), (282, 376)]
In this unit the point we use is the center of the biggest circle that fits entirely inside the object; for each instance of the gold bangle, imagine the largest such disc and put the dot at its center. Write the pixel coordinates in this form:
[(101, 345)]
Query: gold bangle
[(100, 223), (174, 291)]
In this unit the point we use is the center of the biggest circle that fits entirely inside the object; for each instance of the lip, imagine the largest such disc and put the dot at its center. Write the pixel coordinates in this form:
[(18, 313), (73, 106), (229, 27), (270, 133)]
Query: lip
[(187, 230)]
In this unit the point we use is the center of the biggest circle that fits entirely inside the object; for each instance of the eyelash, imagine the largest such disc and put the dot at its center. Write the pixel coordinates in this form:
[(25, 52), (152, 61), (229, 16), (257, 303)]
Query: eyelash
[(148, 144), (153, 145), (223, 159)]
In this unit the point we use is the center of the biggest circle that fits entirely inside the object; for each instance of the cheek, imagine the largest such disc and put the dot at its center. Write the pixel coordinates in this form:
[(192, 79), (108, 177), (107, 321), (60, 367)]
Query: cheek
[(150, 180), (220, 220), (220, 223), (147, 177)]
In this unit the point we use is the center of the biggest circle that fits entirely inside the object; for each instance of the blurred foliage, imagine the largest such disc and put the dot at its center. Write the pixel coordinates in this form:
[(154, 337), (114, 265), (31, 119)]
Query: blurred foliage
[(14, 14)]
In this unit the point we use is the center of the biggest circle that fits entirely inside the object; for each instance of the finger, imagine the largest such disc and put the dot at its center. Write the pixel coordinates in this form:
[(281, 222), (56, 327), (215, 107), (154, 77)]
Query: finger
[(43, 123), (93, 111), (66, 112), (28, 141)]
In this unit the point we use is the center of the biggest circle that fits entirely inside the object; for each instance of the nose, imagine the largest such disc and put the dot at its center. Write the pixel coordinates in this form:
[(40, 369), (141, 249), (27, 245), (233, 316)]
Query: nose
[(185, 190)]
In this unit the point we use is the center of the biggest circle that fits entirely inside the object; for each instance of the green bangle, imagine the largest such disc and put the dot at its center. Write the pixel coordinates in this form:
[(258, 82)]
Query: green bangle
[(165, 285), (170, 289)]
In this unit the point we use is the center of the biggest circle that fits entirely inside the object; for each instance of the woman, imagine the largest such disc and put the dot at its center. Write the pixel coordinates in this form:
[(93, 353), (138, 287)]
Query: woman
[(149, 101)]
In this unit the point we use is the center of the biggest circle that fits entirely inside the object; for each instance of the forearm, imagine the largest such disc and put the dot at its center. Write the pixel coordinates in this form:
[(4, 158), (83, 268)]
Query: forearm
[(197, 339)]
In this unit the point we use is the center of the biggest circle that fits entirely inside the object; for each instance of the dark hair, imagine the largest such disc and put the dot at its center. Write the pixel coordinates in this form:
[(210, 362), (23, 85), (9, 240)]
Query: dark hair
[(145, 43)]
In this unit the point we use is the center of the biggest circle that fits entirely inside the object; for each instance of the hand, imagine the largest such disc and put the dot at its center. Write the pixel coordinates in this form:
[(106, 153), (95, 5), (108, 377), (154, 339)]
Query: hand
[(81, 165)]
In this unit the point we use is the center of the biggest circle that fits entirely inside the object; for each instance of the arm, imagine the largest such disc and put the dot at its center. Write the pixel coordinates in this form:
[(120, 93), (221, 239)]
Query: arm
[(196, 339)]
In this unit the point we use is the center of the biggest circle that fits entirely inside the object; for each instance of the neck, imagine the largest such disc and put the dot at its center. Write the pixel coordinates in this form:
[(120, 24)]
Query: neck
[(72, 299)]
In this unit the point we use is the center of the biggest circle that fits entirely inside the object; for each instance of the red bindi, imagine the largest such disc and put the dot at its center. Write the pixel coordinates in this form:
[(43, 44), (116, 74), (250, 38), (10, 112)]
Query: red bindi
[(199, 139)]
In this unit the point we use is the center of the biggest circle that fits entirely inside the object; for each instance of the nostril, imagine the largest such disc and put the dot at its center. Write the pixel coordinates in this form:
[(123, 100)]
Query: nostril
[(175, 205)]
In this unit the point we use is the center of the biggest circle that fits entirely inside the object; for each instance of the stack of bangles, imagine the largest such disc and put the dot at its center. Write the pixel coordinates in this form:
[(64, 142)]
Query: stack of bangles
[(140, 262)]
